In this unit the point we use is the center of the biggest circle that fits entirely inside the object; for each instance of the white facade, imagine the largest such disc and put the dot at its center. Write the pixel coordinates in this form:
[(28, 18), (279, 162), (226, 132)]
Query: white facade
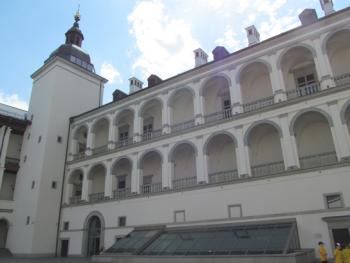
[(265, 130)]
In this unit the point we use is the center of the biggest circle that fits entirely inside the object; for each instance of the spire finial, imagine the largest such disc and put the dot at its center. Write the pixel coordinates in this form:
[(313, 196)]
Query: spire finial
[(77, 15)]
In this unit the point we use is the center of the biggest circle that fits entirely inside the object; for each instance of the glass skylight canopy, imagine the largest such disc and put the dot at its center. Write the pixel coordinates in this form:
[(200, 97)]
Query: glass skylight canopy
[(281, 238)]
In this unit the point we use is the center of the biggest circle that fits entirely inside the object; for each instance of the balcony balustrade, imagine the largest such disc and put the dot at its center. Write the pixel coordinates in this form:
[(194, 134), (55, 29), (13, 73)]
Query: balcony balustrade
[(151, 135), (75, 200), (122, 193), (258, 104), (318, 160), (182, 126), (78, 156), (342, 79), (222, 177), (100, 149), (97, 197), (124, 142), (151, 188), (220, 115), (267, 169), (184, 182), (303, 91)]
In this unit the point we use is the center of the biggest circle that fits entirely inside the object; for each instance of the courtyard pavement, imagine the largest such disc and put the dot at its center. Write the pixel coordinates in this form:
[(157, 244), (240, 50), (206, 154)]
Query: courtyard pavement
[(43, 260)]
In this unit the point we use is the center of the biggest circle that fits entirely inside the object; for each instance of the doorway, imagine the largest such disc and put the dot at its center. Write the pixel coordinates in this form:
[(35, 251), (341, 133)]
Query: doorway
[(3, 232), (341, 235), (64, 247), (94, 236), (339, 229)]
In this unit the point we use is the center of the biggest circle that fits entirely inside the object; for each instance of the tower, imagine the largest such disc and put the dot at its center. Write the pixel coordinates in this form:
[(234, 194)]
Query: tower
[(65, 86)]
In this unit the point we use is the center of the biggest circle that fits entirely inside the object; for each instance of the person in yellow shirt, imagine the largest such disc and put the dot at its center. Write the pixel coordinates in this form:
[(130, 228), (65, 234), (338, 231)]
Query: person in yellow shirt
[(322, 252), (338, 255), (346, 254)]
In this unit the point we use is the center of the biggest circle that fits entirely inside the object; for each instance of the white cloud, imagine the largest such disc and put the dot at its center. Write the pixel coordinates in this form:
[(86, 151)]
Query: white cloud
[(13, 100), (165, 44), (229, 40), (109, 72)]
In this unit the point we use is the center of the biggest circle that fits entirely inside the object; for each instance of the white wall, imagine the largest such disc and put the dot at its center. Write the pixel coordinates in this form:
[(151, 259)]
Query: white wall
[(264, 145), (101, 133), (184, 162), (154, 112), (182, 107), (122, 168), (338, 51), (255, 82), (152, 165), (313, 135), (221, 154), (262, 200)]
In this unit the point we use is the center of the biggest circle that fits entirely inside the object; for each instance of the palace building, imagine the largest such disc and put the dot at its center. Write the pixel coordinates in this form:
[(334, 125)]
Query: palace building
[(247, 155)]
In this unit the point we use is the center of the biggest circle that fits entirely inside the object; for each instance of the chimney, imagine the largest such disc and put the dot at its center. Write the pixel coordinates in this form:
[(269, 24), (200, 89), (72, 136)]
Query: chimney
[(135, 85), (153, 80), (327, 7), (200, 57), (252, 35), (118, 95), (220, 53), (308, 17)]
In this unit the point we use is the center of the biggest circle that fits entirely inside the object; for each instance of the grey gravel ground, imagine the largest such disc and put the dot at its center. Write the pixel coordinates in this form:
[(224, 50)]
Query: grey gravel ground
[(44, 260)]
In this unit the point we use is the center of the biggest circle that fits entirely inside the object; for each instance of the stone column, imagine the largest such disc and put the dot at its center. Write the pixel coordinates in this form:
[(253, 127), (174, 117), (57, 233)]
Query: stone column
[(5, 138), (111, 132), (290, 154), (198, 103), (166, 176), (137, 124), (86, 184), (202, 176), (135, 175), (90, 141), (324, 69), (108, 179), (235, 92), (277, 82), (339, 135), (165, 114), (242, 153)]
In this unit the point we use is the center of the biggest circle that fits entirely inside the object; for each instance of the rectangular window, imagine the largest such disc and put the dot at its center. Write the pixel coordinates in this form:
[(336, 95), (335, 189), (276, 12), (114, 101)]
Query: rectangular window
[(39, 139), (66, 225), (334, 200), (28, 220), (179, 216), (121, 182), (33, 184), (54, 185), (234, 211), (59, 139), (122, 221)]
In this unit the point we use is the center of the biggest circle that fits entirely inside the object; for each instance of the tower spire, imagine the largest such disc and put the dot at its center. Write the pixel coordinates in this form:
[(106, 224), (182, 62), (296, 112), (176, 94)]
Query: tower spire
[(74, 36)]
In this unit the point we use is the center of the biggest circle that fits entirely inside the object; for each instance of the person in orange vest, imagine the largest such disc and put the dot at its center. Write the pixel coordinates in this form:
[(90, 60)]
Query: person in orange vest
[(322, 252), (338, 255), (346, 254)]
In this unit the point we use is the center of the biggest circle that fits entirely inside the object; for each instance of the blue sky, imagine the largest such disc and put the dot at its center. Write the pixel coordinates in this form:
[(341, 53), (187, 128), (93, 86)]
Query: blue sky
[(132, 38)]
